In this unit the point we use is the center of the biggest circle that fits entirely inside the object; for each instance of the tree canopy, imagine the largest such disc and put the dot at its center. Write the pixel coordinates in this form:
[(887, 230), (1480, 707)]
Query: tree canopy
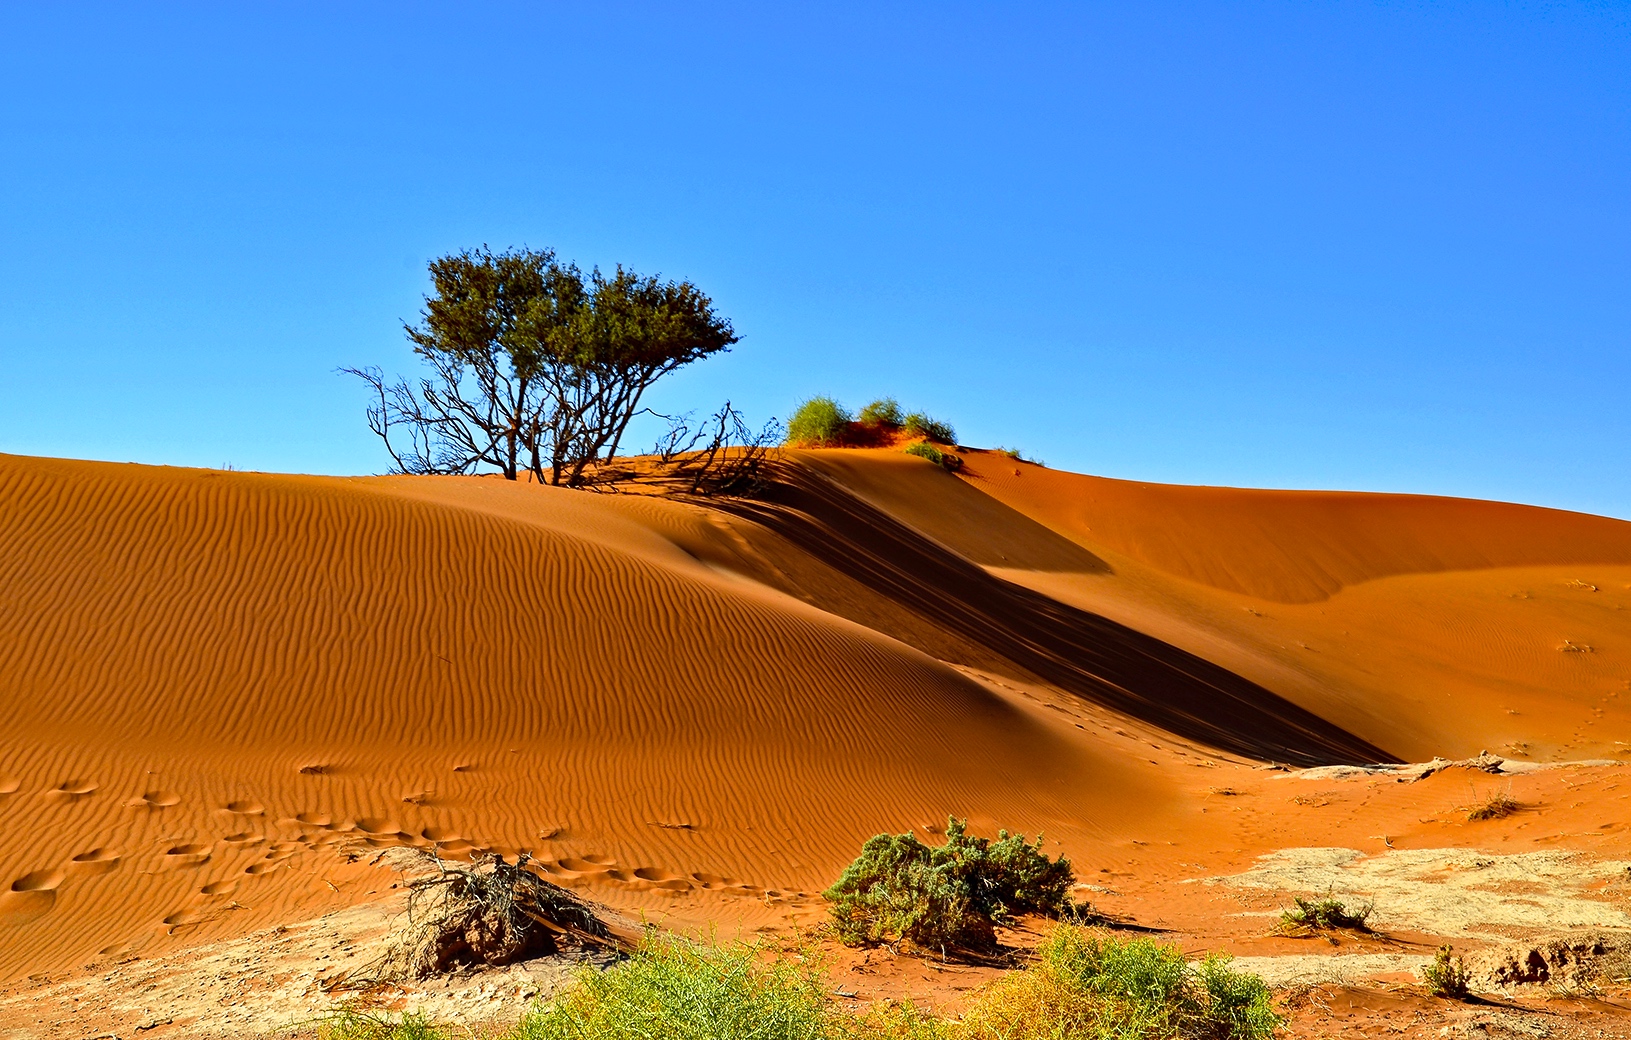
[(535, 367)]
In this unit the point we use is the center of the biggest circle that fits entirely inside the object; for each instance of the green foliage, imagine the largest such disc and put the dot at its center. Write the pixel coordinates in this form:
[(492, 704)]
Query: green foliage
[(1087, 984), (885, 411), (357, 1025), (1325, 915), (677, 990), (945, 896), (1019, 456), (919, 425), (1447, 975), (820, 421), (924, 450), (1082, 984), (535, 367)]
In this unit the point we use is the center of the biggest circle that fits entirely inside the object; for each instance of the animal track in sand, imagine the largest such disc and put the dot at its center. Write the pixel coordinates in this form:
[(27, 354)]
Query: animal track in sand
[(96, 861), (246, 808)]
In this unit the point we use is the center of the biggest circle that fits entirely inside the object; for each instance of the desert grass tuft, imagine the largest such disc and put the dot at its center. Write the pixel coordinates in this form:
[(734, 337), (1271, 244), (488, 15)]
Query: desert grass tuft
[(680, 990), (1494, 808), (1325, 915), (819, 422), (1446, 976), (1093, 985), (361, 1025)]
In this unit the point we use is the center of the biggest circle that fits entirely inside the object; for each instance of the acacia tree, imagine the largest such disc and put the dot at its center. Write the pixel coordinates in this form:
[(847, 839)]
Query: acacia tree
[(534, 368)]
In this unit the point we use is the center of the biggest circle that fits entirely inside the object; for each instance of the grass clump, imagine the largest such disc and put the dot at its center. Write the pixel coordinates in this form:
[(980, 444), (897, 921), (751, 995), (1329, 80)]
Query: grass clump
[(678, 990), (1019, 456), (1447, 975), (885, 411), (1496, 807), (1088, 984), (946, 459), (820, 421), (918, 424), (1325, 915), (948, 896), (358, 1025)]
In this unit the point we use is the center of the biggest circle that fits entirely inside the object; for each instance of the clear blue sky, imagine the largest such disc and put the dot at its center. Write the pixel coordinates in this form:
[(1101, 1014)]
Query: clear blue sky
[(1382, 246)]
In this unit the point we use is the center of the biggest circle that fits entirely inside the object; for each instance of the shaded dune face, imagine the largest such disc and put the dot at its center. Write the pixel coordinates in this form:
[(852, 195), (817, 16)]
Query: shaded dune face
[(1075, 650)]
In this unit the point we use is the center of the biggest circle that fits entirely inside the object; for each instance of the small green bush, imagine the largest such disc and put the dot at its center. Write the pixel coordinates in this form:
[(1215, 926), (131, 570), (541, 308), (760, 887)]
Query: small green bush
[(1091, 985), (1019, 456), (928, 451), (885, 411), (946, 896), (678, 990), (1323, 915), (818, 421), (919, 425), (1447, 975), (924, 450)]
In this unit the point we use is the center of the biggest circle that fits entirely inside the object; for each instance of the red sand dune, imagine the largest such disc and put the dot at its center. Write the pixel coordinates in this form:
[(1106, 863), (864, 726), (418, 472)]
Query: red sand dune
[(215, 681)]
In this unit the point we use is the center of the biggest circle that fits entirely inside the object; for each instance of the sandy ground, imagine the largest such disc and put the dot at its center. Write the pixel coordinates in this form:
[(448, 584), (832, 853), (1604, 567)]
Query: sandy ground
[(227, 693)]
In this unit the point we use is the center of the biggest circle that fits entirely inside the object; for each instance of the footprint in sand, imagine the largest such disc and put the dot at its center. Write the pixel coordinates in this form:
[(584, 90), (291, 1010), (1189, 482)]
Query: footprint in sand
[(73, 790), (586, 867), (30, 897), (9, 784), (96, 861), (663, 879), (219, 888), (180, 857), (156, 800), (244, 838), (246, 808), (314, 819)]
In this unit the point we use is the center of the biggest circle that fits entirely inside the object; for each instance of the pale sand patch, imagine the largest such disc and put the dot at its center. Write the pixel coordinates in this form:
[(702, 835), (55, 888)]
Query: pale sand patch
[(1315, 969), (1451, 892)]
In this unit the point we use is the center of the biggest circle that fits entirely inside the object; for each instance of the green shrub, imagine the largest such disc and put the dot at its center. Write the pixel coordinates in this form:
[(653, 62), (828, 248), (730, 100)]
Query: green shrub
[(885, 411), (678, 990), (1323, 915), (919, 425), (1019, 456), (945, 896), (1447, 975), (1086, 984), (924, 450), (818, 421), (928, 451)]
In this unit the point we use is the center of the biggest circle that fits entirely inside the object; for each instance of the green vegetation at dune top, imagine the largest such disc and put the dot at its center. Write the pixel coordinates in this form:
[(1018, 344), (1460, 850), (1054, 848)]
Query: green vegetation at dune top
[(1082, 984)]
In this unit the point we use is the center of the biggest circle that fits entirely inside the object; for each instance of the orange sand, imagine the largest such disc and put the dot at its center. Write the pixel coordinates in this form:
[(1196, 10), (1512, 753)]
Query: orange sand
[(216, 682)]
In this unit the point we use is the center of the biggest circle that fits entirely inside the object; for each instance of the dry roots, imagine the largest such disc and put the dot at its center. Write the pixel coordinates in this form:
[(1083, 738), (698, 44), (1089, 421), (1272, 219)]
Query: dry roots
[(490, 912)]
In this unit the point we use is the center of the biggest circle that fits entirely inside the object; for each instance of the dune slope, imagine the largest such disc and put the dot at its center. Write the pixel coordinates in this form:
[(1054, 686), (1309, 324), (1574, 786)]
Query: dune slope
[(209, 677)]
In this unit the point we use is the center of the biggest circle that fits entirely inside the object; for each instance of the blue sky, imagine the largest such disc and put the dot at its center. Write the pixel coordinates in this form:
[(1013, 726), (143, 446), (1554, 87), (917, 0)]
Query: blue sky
[(1382, 246)]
